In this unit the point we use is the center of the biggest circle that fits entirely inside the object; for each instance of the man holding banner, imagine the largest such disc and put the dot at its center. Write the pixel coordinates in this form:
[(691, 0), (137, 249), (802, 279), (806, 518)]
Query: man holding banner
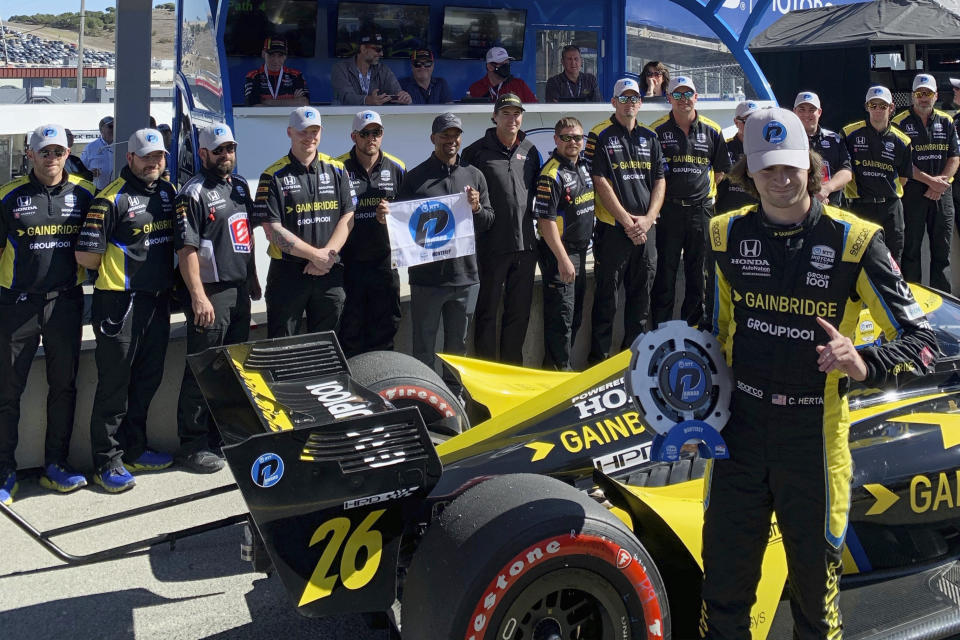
[(434, 236)]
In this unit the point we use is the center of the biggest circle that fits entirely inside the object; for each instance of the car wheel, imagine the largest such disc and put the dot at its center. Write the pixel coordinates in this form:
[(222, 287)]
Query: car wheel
[(527, 557), (407, 382)]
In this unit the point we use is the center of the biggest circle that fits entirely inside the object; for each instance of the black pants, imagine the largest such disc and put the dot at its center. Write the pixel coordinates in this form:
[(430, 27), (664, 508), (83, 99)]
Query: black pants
[(936, 218), (231, 324), (371, 311), (616, 261), (781, 459), (132, 330), (508, 276), (680, 229), (290, 292), (24, 318), (562, 306), (889, 215)]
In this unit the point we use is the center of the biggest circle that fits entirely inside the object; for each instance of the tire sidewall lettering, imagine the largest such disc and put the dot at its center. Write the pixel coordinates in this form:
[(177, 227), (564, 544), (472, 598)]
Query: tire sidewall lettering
[(419, 394)]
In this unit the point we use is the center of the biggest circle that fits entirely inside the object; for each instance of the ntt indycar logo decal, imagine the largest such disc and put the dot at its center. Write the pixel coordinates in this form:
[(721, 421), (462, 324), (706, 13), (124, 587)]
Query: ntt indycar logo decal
[(432, 225)]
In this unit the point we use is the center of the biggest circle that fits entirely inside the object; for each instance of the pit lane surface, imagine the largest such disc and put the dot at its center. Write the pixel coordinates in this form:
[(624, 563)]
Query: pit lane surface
[(201, 589)]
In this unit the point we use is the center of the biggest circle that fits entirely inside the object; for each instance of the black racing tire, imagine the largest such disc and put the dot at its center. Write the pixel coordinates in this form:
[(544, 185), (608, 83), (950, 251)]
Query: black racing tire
[(528, 557), (407, 382)]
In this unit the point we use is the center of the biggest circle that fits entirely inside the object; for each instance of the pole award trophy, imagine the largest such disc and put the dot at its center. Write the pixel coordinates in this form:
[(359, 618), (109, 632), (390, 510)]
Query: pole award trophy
[(679, 380)]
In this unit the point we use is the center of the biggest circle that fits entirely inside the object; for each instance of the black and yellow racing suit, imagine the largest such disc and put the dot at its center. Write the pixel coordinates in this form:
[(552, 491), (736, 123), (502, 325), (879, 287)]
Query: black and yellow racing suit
[(787, 434)]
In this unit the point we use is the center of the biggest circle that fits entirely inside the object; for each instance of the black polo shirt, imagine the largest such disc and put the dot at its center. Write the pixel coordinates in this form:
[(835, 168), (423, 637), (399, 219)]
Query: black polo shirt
[(213, 217), (39, 226), (829, 144), (731, 195), (692, 159), (565, 194), (307, 201), (932, 145), (879, 158), (369, 239), (630, 160), (131, 225)]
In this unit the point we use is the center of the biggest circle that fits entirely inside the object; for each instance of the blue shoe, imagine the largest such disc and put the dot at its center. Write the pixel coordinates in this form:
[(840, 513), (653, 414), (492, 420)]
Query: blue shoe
[(58, 477), (8, 486), (150, 460), (114, 480)]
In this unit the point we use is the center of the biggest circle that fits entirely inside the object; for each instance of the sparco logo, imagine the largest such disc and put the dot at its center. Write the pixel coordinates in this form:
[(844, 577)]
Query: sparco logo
[(750, 248), (746, 388), (715, 235), (859, 242)]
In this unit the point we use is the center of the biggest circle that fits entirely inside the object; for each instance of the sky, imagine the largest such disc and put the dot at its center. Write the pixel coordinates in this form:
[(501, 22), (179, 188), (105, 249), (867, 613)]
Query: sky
[(12, 7)]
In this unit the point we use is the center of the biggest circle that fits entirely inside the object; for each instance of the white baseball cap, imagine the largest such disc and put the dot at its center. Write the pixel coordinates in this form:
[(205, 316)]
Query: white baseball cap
[(145, 141), (924, 81), (365, 117), (775, 136), (498, 55), (878, 92), (623, 85), (48, 134), (955, 82), (680, 81), (303, 117), (807, 97), (746, 108), (215, 135)]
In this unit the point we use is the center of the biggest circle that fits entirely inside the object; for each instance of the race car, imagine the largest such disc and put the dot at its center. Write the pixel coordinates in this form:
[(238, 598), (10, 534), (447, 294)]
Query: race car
[(534, 511)]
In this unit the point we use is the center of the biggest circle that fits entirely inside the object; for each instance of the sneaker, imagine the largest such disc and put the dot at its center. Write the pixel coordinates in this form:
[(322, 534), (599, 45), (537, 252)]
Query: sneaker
[(150, 460), (114, 480), (202, 461), (8, 486), (61, 478)]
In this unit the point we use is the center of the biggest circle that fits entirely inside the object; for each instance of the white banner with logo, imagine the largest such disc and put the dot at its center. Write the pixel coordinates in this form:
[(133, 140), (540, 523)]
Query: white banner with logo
[(430, 229)]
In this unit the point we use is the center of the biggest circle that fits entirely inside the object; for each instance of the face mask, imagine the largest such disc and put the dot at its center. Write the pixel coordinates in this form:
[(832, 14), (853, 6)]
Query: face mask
[(503, 70)]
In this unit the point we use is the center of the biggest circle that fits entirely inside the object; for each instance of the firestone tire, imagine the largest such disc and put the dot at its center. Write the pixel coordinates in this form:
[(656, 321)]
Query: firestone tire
[(527, 557), (407, 382)]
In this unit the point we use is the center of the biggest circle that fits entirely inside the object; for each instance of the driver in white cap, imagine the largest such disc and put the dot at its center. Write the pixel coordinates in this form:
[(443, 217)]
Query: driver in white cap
[(928, 194), (791, 276)]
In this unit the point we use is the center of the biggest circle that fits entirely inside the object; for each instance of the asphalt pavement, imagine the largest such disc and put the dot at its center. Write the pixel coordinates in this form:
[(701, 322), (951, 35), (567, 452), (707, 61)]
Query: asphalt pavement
[(199, 589)]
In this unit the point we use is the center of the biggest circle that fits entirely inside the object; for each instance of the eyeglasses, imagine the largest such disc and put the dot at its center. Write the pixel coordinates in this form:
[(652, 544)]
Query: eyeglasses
[(924, 93), (47, 152), (366, 133), (422, 65), (682, 95), (740, 120), (570, 137), (877, 106), (224, 148), (626, 99), (653, 73)]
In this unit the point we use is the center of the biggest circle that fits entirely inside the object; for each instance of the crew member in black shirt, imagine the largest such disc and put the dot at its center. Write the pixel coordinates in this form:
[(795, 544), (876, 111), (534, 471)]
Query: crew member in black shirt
[(696, 159), (564, 209), (371, 312), (572, 84), (928, 194), (305, 203), (127, 237), (627, 170), (40, 217), (447, 288), (506, 253), (214, 244), (880, 154), (731, 195), (837, 170)]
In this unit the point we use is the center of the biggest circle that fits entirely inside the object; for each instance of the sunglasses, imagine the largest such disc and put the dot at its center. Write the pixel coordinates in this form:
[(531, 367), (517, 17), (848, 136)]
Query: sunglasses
[(56, 153), (626, 99), (376, 133), (924, 93), (877, 106), (570, 137), (375, 47), (422, 65), (224, 148), (682, 95), (653, 73), (740, 120)]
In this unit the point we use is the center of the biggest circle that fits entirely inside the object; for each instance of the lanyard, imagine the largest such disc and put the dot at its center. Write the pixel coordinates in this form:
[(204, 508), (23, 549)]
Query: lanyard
[(274, 92), (579, 86), (365, 80), (495, 92)]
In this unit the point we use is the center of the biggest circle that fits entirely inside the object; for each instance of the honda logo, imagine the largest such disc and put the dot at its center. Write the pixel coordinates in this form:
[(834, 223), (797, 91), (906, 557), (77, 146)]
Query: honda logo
[(750, 248)]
